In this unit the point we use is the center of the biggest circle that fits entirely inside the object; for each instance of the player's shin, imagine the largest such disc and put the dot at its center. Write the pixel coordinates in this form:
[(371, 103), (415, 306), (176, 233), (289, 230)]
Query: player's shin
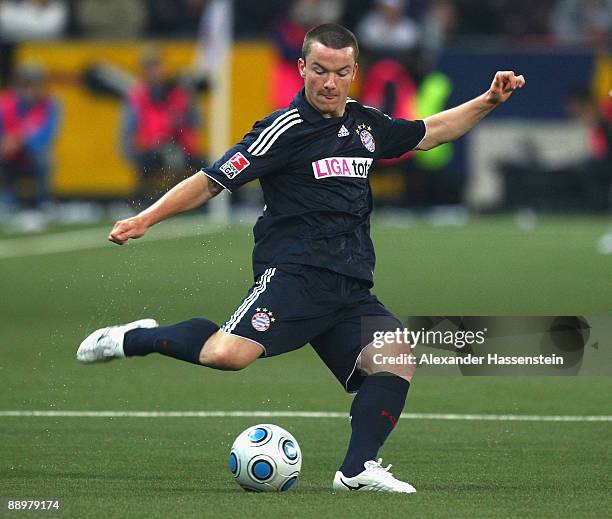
[(374, 413), (182, 341)]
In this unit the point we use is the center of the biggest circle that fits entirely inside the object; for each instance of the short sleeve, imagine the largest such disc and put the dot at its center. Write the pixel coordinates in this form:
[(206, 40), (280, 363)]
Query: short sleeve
[(262, 151), (400, 136)]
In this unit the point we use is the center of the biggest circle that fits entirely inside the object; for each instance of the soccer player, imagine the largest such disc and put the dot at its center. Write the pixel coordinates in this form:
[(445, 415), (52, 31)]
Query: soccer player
[(313, 259)]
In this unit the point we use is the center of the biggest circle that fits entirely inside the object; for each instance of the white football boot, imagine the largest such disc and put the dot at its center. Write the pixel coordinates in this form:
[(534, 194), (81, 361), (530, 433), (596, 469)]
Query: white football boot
[(375, 478), (107, 343)]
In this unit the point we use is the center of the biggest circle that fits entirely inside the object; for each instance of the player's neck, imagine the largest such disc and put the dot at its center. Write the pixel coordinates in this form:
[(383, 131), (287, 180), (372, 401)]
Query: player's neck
[(327, 115)]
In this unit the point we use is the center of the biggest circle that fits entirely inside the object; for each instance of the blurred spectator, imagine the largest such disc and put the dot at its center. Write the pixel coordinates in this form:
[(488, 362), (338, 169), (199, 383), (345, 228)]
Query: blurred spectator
[(526, 19), (583, 21), (24, 20), (444, 184), (388, 87), (596, 168), (174, 17), (28, 124), (439, 24), (111, 18), (160, 128), (288, 35), (310, 13), (582, 185), (479, 18), (390, 40), (388, 30)]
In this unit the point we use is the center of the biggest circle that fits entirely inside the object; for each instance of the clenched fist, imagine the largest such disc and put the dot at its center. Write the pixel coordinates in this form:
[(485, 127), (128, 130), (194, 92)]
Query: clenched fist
[(130, 228), (504, 83)]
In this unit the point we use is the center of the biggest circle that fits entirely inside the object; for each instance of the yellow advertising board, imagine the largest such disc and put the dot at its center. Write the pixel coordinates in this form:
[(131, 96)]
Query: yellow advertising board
[(88, 158)]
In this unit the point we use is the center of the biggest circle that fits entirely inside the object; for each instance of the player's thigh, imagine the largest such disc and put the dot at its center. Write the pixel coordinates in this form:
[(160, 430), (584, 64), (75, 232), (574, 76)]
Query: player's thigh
[(343, 346), (275, 314)]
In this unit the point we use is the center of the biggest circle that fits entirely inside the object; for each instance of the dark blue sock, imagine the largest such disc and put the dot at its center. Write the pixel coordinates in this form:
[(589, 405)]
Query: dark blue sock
[(374, 413), (182, 341)]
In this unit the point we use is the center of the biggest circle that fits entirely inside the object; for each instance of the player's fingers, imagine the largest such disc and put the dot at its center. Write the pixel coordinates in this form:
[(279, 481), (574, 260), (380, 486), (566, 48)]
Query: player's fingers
[(114, 236), (512, 81), (506, 75), (117, 238), (126, 234), (500, 81), (118, 225), (496, 81), (516, 82), (125, 230), (119, 233)]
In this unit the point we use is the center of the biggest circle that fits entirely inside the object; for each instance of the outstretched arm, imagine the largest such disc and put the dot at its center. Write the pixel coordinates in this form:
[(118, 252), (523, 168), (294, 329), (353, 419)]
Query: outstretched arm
[(188, 194), (451, 124), (256, 155)]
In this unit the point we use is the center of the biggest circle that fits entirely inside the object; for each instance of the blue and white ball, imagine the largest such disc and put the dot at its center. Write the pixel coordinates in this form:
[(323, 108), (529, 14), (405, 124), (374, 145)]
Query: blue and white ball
[(265, 458)]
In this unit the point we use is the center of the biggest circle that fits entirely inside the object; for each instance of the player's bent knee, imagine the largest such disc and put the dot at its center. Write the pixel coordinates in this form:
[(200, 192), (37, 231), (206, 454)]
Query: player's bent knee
[(228, 352), (391, 358)]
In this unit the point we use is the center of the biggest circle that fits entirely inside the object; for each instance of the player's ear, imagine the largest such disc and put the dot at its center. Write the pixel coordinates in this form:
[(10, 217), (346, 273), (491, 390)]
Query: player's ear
[(355, 68), (302, 67)]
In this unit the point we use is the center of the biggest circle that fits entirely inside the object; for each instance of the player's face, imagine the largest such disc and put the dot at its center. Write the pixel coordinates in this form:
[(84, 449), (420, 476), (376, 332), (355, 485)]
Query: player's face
[(328, 74)]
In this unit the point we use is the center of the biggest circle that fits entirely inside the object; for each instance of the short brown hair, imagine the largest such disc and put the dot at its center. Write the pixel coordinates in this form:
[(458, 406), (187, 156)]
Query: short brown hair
[(331, 35)]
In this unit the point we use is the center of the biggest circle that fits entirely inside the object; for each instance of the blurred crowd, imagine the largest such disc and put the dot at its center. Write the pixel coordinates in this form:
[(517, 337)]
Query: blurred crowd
[(399, 41), (431, 22)]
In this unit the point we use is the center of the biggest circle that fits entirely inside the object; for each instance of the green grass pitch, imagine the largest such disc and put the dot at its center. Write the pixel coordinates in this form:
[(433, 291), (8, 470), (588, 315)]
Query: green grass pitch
[(178, 467)]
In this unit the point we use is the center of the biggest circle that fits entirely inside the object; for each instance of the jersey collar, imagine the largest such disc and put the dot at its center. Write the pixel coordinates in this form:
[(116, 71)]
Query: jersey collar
[(309, 113)]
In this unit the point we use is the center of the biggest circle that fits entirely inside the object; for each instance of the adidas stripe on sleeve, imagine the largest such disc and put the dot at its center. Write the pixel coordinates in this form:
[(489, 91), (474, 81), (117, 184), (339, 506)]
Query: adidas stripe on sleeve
[(263, 151)]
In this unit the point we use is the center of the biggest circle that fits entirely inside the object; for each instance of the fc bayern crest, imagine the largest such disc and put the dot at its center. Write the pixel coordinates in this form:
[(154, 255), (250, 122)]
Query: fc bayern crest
[(262, 319), (367, 139)]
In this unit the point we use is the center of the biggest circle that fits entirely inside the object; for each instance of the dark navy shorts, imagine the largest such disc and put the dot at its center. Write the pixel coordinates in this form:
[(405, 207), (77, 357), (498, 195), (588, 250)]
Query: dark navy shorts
[(293, 305)]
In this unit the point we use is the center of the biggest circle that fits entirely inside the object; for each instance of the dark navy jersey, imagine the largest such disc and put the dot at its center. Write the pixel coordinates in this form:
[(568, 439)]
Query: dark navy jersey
[(314, 176)]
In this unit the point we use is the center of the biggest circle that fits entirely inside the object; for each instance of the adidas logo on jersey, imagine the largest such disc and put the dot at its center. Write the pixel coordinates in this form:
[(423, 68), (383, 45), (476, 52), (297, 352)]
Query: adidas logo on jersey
[(343, 132)]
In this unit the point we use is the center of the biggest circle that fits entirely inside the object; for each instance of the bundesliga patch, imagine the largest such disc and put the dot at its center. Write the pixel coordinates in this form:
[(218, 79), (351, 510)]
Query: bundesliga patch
[(367, 139), (356, 167), (262, 319), (235, 165)]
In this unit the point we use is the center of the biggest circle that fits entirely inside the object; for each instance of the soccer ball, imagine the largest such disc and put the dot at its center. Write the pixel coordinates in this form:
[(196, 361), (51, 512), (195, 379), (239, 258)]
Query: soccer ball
[(265, 458)]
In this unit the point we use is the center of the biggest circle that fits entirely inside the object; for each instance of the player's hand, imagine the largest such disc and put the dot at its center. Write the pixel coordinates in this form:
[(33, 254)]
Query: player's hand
[(503, 85), (124, 230)]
